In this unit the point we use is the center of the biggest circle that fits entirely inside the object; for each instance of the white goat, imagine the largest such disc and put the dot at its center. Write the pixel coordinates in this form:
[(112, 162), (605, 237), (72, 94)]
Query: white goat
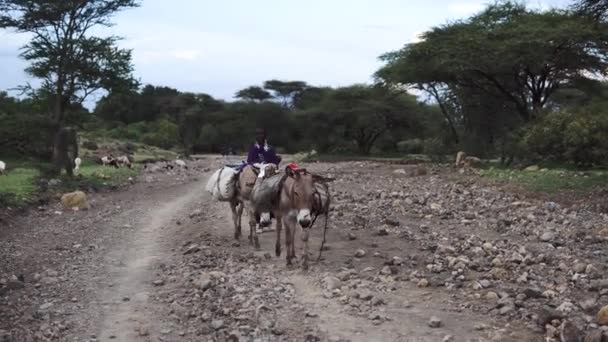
[(77, 163), (2, 167), (124, 160), (181, 163)]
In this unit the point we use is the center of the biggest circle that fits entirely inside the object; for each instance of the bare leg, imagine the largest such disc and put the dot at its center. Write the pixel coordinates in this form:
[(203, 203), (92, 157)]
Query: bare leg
[(277, 246)]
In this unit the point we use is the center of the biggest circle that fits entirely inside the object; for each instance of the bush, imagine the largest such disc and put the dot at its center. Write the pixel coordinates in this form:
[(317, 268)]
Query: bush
[(412, 146), (436, 149), (164, 134), (90, 145), (578, 138)]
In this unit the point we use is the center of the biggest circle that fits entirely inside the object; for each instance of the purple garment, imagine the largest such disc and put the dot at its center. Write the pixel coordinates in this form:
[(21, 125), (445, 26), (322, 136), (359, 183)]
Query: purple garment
[(262, 154)]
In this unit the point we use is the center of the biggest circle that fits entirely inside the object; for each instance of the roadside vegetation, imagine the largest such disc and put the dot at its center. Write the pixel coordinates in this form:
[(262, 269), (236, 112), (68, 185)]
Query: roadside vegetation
[(494, 98)]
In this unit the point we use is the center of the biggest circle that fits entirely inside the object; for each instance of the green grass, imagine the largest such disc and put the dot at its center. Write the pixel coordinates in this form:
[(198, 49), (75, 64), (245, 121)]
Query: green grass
[(550, 180), (18, 186), (99, 175)]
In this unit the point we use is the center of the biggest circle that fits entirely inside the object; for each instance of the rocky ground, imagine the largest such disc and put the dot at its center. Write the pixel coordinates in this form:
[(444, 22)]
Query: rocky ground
[(413, 254)]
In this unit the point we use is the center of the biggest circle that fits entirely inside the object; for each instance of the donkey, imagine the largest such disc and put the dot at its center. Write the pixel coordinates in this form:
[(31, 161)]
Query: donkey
[(241, 200), (302, 197)]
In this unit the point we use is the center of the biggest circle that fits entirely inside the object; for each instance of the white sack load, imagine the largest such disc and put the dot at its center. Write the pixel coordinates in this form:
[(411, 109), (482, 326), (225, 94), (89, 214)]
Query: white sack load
[(265, 192), (222, 185)]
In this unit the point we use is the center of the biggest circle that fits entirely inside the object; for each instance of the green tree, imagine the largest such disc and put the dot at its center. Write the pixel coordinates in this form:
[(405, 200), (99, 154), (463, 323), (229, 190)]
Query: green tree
[(62, 53), (519, 55), (191, 120), (253, 93), (596, 9), (360, 114), (285, 90)]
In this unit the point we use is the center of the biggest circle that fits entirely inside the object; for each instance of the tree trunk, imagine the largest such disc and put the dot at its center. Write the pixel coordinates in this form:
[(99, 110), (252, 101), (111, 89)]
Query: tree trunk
[(64, 141), (433, 90)]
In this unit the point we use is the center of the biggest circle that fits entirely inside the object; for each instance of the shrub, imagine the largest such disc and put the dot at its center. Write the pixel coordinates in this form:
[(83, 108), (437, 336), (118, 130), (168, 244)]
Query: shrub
[(578, 138), (163, 134), (412, 146), (436, 149), (90, 145)]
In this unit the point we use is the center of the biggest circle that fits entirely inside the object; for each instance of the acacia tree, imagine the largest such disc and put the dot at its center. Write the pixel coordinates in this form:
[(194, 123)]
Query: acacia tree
[(63, 55), (360, 114), (253, 93), (596, 9), (507, 51), (285, 90)]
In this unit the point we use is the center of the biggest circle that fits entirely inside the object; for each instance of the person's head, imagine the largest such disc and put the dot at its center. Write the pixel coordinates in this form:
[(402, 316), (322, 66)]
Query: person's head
[(260, 135)]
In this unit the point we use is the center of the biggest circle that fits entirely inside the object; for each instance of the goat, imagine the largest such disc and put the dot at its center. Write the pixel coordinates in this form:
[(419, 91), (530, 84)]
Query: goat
[(109, 161), (77, 163), (2, 167), (124, 160)]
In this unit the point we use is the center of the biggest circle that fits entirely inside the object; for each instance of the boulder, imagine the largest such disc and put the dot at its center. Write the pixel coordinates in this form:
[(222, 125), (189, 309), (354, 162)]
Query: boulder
[(76, 200)]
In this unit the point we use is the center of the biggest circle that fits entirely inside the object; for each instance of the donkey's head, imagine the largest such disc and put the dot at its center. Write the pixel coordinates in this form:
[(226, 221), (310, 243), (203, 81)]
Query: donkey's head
[(303, 192), (266, 171)]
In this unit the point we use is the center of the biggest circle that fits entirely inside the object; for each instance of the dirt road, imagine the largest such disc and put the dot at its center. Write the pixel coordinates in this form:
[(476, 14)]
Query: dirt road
[(438, 259)]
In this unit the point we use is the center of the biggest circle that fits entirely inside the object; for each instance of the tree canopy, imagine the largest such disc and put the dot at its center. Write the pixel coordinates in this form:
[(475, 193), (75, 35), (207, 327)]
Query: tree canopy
[(509, 51)]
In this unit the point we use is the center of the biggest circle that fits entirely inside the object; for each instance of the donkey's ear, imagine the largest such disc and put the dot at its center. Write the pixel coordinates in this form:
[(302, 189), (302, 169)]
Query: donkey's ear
[(290, 172)]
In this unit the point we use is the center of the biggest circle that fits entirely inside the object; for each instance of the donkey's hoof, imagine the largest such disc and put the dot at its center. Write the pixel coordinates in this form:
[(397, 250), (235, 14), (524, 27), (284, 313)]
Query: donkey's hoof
[(277, 251), (256, 244)]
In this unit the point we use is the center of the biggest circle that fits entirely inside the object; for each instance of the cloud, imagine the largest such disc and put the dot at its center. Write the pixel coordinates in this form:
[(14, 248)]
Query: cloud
[(185, 54), (465, 8)]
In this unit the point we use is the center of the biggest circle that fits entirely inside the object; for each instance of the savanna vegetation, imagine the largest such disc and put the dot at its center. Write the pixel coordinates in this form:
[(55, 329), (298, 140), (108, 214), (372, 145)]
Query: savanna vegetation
[(513, 83)]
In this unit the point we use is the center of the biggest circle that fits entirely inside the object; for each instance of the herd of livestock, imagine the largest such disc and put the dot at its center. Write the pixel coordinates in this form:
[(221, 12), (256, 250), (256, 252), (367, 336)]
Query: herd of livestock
[(294, 197)]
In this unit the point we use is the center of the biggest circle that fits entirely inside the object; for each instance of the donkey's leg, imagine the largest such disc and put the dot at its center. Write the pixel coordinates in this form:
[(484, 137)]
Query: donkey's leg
[(288, 240), (253, 232), (294, 230), (240, 213), (305, 233), (235, 219), (277, 245)]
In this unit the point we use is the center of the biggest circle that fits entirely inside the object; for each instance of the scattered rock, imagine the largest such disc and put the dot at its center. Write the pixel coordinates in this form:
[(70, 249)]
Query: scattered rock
[(547, 237), (386, 270), (332, 283), (492, 296), (192, 249), (423, 283), (532, 168), (203, 282), (434, 322), (217, 324), (382, 231), (360, 253), (602, 316), (580, 267), (352, 236)]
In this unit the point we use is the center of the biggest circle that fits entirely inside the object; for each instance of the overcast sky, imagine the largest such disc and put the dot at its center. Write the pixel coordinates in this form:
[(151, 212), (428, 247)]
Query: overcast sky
[(219, 47)]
